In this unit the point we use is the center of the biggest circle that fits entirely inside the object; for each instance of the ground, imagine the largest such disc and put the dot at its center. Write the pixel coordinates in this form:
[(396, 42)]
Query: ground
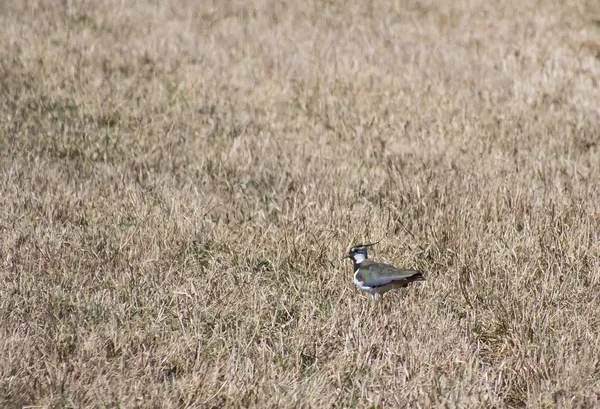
[(179, 181)]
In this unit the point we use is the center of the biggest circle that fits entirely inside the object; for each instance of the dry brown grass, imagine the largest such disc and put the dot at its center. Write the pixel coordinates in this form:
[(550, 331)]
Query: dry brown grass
[(180, 179)]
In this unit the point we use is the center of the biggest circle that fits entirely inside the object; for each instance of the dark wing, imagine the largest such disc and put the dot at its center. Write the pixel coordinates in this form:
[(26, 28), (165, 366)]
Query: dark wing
[(374, 274)]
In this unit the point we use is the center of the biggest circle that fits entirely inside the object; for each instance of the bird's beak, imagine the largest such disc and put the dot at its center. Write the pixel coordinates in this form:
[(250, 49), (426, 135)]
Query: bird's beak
[(345, 257)]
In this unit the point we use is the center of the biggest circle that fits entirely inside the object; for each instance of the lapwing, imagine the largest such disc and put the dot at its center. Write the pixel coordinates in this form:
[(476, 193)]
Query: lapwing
[(378, 278)]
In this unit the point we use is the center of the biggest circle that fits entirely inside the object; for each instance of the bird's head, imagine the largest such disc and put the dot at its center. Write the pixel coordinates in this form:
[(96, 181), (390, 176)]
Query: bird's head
[(358, 253)]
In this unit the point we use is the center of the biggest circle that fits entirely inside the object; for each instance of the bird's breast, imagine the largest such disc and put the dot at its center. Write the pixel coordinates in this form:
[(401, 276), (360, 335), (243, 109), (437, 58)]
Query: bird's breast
[(359, 280)]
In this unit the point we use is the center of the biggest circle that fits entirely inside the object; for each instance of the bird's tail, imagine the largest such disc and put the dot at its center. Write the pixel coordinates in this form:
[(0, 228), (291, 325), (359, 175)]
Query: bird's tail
[(417, 276)]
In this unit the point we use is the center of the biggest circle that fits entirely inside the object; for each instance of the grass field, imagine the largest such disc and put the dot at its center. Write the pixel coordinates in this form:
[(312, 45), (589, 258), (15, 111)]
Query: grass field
[(179, 181)]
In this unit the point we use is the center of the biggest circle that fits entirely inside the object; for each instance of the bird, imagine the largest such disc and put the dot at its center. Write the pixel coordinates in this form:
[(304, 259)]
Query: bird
[(378, 278)]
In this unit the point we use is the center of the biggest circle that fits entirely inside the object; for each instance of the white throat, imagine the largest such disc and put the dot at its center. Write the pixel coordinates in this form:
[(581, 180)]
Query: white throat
[(358, 258)]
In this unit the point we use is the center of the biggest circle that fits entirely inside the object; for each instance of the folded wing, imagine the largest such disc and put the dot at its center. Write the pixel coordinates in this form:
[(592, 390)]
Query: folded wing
[(374, 274)]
